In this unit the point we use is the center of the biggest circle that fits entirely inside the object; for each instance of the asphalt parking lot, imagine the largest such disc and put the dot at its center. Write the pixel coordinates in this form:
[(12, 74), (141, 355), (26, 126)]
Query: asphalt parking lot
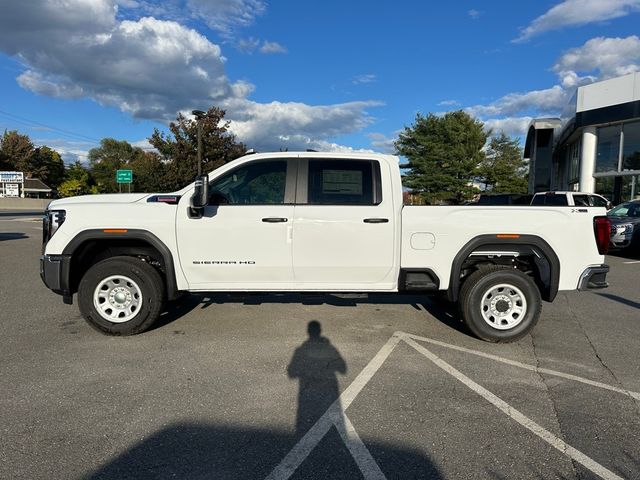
[(324, 386)]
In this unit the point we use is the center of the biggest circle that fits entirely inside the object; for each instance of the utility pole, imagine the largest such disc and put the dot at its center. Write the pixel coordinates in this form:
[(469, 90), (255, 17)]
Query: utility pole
[(199, 114)]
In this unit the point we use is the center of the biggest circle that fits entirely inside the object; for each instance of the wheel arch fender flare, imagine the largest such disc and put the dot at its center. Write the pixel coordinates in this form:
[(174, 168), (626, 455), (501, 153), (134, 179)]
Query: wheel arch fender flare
[(129, 234), (545, 259)]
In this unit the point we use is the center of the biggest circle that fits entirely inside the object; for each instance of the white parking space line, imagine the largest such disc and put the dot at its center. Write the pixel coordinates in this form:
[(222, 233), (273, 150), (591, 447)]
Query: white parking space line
[(532, 368), (631, 263), (335, 416), (507, 409), (359, 452)]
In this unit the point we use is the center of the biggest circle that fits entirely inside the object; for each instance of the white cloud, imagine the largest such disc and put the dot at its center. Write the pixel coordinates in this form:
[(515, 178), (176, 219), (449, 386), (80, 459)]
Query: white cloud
[(474, 14), (251, 44), (275, 125), (570, 13), (513, 126), (70, 150), (597, 59), (364, 79), (226, 16), (449, 103), (382, 143), (248, 45), (153, 69), (272, 47), (604, 57), (544, 101)]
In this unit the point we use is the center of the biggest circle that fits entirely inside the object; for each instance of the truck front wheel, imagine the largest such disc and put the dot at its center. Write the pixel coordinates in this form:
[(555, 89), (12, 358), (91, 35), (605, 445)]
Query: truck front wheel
[(121, 296), (500, 304)]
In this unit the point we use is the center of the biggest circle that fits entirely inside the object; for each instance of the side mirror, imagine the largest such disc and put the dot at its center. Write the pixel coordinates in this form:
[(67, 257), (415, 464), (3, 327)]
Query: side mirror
[(200, 196)]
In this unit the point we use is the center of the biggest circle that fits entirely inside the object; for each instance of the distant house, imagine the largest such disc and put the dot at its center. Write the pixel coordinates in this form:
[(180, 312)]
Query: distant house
[(35, 188)]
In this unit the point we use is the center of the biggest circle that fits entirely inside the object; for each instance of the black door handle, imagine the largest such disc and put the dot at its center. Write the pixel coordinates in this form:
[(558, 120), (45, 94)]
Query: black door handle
[(275, 220), (376, 220)]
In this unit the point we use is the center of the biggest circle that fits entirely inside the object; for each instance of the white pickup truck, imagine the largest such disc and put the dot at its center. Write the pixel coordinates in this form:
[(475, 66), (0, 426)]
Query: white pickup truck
[(315, 222)]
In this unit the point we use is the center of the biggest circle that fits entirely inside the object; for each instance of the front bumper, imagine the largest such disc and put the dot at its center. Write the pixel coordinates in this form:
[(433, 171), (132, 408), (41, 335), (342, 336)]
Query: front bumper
[(621, 240), (54, 271), (594, 277)]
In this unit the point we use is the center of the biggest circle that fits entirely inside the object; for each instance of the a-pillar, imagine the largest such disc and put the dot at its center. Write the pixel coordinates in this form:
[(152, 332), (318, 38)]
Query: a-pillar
[(588, 160)]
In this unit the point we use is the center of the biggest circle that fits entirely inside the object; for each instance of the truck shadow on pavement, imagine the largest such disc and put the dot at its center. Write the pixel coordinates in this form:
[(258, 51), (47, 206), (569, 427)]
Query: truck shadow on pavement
[(442, 310), (12, 236), (201, 450)]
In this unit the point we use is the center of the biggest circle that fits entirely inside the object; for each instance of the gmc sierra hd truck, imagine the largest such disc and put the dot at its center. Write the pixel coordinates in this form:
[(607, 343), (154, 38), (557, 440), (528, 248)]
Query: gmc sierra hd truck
[(315, 222)]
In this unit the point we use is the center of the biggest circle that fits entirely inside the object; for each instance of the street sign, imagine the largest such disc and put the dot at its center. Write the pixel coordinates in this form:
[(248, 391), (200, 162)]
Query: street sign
[(124, 176), (11, 190), (11, 177)]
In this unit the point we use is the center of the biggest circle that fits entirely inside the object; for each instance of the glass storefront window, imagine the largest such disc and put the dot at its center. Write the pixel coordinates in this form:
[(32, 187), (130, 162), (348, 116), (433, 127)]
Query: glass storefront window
[(631, 149), (630, 187), (574, 161), (608, 149), (604, 187)]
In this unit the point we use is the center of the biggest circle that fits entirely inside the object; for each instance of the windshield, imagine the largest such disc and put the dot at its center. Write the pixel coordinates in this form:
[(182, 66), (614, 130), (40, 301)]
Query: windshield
[(626, 210)]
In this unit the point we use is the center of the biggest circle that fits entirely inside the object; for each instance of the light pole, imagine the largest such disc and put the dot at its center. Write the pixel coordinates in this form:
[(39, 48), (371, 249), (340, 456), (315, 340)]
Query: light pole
[(199, 114)]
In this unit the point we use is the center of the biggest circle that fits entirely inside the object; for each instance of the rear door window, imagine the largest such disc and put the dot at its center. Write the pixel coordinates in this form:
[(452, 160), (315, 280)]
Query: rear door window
[(343, 182), (596, 201), (550, 200), (581, 200)]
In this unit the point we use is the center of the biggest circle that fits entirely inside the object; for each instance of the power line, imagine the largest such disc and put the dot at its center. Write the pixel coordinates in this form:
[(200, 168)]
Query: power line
[(31, 123)]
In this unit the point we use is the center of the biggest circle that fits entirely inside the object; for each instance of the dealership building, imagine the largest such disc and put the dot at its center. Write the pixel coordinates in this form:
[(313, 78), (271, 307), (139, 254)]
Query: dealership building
[(596, 146)]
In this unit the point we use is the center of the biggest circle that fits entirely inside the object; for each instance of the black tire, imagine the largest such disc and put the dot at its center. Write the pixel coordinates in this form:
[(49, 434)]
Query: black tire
[(145, 277), (471, 305)]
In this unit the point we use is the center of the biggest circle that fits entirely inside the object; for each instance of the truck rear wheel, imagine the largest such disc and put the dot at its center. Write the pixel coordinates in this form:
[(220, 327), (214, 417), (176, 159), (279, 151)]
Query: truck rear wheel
[(121, 296), (500, 304)]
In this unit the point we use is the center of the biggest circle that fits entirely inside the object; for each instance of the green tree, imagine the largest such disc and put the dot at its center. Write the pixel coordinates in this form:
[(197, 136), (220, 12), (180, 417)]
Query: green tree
[(77, 182), (179, 147), (149, 172), (503, 170), (17, 150), (47, 165), (443, 153), (110, 156)]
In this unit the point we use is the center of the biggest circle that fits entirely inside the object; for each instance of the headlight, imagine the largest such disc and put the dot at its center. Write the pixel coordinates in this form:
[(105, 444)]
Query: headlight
[(51, 223), (621, 229)]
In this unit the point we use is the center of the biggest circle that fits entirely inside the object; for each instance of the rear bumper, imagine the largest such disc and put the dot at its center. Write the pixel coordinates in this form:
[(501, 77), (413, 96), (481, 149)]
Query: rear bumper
[(54, 272), (594, 277)]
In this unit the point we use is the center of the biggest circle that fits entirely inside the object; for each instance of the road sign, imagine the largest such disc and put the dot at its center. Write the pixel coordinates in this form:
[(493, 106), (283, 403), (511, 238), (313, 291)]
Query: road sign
[(124, 176), (11, 177), (11, 190)]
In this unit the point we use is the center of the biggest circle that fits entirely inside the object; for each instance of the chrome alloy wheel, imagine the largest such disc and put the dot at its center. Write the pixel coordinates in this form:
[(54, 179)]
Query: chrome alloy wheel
[(117, 299), (503, 306)]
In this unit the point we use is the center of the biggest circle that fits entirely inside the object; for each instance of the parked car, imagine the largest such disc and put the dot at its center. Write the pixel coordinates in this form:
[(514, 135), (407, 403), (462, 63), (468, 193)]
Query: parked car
[(571, 199), (625, 225), (504, 199)]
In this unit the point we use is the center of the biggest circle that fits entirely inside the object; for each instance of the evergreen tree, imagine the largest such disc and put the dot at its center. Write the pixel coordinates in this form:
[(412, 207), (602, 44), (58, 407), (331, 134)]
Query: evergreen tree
[(443, 153), (503, 170)]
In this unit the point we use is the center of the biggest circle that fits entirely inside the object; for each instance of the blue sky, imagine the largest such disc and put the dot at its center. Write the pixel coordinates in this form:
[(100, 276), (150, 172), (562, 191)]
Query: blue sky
[(325, 75)]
